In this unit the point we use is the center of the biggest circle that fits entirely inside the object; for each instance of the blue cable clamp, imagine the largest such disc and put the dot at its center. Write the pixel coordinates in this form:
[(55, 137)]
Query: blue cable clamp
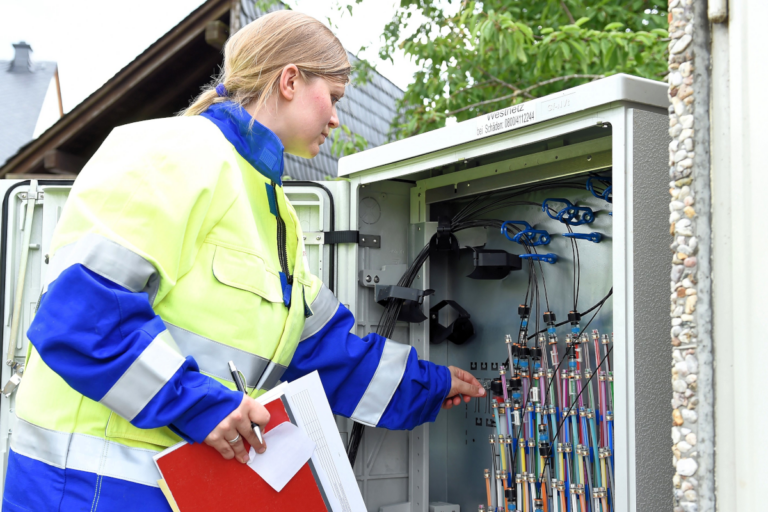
[(546, 258), (528, 235), (571, 214), (607, 194), (592, 237)]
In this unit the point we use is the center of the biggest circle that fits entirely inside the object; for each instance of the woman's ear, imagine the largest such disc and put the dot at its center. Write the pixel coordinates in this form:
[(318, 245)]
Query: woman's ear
[(289, 79)]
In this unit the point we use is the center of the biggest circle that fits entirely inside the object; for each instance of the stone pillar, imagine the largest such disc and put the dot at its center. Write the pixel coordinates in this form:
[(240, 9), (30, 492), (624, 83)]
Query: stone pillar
[(690, 227)]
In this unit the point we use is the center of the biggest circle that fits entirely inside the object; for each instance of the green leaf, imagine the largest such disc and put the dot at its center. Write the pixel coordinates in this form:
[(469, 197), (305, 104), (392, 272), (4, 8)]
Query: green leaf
[(582, 21), (614, 26)]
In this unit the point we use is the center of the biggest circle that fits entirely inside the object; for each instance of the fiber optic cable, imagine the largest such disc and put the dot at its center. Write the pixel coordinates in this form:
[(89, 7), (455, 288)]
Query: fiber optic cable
[(488, 487), (499, 490), (495, 407), (555, 497)]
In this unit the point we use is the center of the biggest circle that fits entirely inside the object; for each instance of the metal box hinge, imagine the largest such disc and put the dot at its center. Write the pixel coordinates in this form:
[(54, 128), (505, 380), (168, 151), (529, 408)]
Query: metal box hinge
[(342, 237)]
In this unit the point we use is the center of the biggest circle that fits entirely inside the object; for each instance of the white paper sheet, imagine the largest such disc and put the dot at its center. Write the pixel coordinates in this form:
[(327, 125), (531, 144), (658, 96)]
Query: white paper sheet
[(288, 449), (309, 404)]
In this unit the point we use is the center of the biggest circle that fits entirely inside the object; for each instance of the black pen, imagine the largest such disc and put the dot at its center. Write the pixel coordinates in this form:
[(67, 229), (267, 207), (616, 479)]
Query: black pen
[(241, 387)]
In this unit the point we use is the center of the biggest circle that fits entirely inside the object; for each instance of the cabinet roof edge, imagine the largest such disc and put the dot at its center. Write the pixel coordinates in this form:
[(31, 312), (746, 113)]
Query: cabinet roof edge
[(594, 94)]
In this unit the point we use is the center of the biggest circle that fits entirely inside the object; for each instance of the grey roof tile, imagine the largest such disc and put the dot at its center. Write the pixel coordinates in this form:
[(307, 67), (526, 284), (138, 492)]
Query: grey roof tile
[(21, 99)]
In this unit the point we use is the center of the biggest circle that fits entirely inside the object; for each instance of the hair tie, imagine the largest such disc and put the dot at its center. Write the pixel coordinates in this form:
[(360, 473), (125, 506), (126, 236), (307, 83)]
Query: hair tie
[(222, 91)]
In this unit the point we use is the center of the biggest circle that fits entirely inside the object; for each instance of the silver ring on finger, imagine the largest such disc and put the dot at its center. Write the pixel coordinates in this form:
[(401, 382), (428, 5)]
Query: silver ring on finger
[(234, 440)]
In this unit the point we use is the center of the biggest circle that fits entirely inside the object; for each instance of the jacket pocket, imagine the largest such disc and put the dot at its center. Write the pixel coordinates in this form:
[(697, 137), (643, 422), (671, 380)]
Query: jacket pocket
[(120, 428), (246, 271)]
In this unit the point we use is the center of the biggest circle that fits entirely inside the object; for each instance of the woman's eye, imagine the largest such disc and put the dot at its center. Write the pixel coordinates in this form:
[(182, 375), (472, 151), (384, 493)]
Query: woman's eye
[(335, 100)]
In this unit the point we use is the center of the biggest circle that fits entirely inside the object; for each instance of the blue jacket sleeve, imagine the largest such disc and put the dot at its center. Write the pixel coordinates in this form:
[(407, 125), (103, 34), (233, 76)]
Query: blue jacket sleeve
[(108, 344), (372, 380)]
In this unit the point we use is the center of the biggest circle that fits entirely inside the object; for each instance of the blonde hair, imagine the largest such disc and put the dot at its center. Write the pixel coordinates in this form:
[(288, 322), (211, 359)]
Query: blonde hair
[(254, 58)]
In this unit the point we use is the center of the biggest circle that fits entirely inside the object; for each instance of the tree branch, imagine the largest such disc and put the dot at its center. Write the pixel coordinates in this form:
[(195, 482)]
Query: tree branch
[(568, 12), (509, 86), (519, 92), (484, 83), (561, 78)]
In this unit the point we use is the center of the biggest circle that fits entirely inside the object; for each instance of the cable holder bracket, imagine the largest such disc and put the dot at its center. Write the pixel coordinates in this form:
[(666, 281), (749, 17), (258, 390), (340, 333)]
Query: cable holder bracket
[(605, 195), (546, 258), (592, 237), (527, 235), (571, 214), (444, 240), (411, 310)]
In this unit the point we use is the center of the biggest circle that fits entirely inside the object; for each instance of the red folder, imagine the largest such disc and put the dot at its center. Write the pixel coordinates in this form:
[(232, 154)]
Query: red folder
[(200, 479)]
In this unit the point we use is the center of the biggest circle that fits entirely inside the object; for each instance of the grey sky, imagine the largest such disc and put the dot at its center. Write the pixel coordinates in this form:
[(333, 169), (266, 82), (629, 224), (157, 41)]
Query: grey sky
[(93, 39)]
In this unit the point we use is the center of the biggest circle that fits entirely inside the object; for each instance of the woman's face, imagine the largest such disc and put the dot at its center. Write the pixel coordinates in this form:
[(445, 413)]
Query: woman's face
[(311, 116)]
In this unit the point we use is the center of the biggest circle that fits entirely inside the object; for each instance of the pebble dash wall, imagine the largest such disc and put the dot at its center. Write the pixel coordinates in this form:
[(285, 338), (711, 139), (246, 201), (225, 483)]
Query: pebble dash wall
[(692, 399)]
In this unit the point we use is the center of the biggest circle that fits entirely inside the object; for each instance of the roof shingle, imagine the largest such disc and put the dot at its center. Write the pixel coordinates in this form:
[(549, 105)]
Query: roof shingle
[(21, 100)]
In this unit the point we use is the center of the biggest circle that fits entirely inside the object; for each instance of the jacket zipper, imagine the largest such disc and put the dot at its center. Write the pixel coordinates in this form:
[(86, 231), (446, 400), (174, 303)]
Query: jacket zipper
[(282, 250)]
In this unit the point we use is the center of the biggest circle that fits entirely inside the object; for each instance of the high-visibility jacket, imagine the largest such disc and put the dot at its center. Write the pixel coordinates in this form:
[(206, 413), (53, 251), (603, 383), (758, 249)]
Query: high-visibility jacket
[(177, 251)]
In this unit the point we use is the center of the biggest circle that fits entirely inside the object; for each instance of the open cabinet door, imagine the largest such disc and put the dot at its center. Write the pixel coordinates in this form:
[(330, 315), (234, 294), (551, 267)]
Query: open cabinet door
[(31, 210)]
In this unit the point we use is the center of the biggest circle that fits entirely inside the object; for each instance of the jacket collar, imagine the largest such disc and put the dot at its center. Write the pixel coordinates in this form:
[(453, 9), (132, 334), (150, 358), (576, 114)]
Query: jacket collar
[(257, 144)]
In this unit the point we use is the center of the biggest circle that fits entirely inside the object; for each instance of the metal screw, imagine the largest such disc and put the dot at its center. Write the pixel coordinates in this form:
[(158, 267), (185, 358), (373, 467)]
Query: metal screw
[(589, 158), (363, 239), (367, 279), (23, 196), (317, 238), (374, 240), (375, 279)]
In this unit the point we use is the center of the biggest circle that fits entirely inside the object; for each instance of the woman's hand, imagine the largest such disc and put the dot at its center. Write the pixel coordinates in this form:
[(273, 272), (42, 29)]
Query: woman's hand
[(462, 383), (239, 423)]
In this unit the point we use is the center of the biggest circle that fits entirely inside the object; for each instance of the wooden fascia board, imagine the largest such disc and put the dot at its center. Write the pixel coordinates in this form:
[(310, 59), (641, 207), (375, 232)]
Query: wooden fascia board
[(146, 63)]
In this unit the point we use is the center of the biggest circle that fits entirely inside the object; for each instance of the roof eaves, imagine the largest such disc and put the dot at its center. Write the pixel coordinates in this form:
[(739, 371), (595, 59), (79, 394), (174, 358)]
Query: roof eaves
[(170, 42)]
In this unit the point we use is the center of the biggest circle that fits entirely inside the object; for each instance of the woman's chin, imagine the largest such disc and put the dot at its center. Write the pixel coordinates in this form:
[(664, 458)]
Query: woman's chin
[(309, 152)]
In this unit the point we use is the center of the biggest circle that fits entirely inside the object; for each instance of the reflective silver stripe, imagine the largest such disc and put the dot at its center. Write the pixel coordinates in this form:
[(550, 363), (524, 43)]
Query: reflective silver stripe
[(323, 308), (212, 356), (383, 384), (108, 259), (145, 377), (271, 376), (84, 453)]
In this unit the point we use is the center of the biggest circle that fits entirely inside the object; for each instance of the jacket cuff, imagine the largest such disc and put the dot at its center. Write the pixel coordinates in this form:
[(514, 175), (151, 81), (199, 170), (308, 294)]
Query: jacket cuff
[(216, 403), (442, 387)]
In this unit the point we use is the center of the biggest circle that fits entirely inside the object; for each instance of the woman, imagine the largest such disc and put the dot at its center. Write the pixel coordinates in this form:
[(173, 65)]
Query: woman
[(177, 252)]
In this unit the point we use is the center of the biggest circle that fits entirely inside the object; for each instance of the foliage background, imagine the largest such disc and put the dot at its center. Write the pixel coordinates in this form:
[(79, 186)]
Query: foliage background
[(475, 57)]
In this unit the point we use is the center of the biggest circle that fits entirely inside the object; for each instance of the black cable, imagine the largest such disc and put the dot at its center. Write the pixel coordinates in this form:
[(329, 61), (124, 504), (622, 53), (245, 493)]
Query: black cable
[(602, 301)]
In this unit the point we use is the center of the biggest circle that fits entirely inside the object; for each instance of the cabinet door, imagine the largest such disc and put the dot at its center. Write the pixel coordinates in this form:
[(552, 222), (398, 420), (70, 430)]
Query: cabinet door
[(320, 208), (30, 211)]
